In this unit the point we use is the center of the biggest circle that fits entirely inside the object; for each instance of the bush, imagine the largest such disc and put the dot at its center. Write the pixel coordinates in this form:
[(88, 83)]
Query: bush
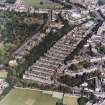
[(82, 100)]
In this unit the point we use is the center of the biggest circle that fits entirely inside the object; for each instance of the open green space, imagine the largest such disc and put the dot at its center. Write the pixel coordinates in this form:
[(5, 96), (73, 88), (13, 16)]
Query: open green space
[(70, 100), (3, 74), (28, 97), (42, 4)]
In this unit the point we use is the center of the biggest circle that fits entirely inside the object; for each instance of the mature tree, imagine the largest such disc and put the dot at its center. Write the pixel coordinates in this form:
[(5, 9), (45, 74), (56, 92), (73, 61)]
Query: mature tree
[(82, 100)]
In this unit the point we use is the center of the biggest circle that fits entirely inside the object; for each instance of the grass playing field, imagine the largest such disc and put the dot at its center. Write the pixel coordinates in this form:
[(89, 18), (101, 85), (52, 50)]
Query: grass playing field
[(28, 97), (42, 4), (70, 100), (3, 74)]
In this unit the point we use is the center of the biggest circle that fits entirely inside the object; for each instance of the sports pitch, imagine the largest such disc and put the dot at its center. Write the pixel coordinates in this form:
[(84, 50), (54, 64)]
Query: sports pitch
[(28, 97), (3, 74), (70, 100), (42, 4)]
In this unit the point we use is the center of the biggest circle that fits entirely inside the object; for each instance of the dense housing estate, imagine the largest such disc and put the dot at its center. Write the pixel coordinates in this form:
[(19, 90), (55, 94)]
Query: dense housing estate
[(52, 50)]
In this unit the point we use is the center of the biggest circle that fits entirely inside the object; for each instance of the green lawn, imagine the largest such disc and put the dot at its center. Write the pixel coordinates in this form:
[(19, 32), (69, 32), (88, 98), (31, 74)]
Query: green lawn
[(28, 97), (36, 3), (3, 74), (70, 100)]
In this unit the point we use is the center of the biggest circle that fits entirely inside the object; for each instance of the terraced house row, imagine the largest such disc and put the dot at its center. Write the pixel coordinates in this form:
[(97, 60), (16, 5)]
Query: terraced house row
[(27, 46)]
